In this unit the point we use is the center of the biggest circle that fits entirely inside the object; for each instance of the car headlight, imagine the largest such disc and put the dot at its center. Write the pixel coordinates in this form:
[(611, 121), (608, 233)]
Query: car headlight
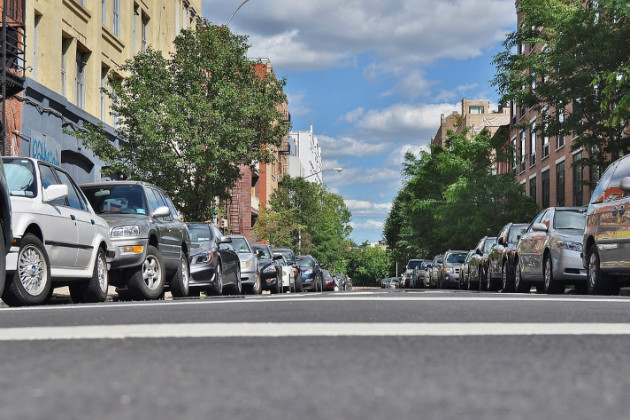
[(270, 269), (204, 258), (449, 270), (246, 264), (570, 245), (307, 272), (125, 231)]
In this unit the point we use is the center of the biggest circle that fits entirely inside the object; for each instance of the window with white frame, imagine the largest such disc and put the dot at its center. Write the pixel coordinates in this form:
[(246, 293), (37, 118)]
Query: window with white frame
[(79, 89), (560, 137), (532, 144), (523, 151), (37, 20), (104, 71), (104, 12), (145, 29), (475, 109), (65, 46), (116, 17)]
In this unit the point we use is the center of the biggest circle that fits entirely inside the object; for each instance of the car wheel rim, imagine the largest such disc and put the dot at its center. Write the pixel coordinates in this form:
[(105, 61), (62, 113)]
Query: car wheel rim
[(517, 276), (592, 270), (219, 279), (185, 274), (101, 270), (151, 273), (547, 273), (33, 271), (504, 277)]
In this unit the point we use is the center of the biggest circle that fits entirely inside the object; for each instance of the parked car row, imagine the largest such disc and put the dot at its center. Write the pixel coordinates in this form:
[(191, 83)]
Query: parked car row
[(127, 234)]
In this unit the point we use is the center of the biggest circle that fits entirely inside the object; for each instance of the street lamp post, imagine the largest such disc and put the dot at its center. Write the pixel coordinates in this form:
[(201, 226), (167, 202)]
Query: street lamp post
[(234, 12), (323, 170)]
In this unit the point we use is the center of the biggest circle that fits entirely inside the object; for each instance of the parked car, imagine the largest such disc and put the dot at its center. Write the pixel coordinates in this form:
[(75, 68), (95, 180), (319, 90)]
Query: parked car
[(288, 274), (449, 274), (250, 273), (213, 262), (479, 266), (607, 231), (501, 263), (289, 255), (422, 274), (464, 272), (548, 253), (386, 282), (58, 239), (152, 242), (6, 235), (328, 281), (270, 270), (311, 273), (434, 272), (409, 277)]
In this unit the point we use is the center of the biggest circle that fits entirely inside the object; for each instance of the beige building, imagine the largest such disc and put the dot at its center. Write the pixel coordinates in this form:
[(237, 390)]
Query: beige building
[(475, 116), (72, 46)]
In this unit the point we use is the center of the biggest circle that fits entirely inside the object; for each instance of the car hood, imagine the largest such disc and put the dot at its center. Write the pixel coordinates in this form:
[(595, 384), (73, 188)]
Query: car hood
[(569, 235), (121, 219)]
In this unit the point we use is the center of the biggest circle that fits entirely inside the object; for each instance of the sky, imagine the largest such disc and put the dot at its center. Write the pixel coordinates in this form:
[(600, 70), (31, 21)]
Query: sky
[(373, 77)]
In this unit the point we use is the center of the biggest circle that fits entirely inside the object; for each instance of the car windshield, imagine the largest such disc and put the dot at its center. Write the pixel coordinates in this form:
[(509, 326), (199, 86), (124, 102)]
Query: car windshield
[(569, 220), (305, 262), (487, 246), (515, 233), (288, 254), (117, 198), (262, 252), (200, 234), (457, 258), (414, 264), (241, 246), (20, 177)]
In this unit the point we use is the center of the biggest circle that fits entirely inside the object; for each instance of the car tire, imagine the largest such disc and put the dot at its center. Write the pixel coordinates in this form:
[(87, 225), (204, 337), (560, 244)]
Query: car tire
[(481, 278), (598, 282), (257, 286), (507, 279), (217, 288), (3, 260), (147, 281), (520, 285), (180, 282), (552, 286), (31, 281), (237, 289), (96, 287), (298, 285), (490, 284)]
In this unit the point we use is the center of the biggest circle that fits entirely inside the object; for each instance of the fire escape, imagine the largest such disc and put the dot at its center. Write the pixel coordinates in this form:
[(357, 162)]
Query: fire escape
[(234, 209), (12, 63)]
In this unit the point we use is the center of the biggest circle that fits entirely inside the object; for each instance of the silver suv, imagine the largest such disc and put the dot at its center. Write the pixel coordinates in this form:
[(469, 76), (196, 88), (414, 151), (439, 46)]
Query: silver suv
[(607, 232), (152, 242)]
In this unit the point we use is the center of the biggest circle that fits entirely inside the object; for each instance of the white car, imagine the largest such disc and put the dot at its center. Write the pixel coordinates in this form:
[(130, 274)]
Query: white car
[(288, 273), (58, 240)]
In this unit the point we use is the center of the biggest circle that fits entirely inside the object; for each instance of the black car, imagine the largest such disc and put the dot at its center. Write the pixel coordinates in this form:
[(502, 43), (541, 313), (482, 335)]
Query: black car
[(270, 270), (501, 264), (311, 273), (6, 236), (213, 262), (152, 242)]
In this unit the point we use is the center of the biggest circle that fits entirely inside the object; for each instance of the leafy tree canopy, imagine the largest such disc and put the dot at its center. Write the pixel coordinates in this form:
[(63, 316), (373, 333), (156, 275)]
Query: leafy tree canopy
[(187, 122)]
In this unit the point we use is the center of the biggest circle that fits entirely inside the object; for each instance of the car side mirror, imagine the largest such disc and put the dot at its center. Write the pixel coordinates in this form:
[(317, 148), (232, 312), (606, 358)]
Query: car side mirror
[(161, 211), (500, 241), (539, 227), (55, 192), (277, 257), (624, 184), (225, 240)]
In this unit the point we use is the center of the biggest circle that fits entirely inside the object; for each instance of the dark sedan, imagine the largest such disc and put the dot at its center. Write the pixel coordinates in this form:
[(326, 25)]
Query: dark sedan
[(270, 270), (311, 273), (213, 262)]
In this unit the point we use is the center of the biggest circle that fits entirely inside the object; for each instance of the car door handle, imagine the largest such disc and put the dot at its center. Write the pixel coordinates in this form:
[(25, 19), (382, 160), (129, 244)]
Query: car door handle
[(93, 222), (614, 211), (621, 210), (73, 217)]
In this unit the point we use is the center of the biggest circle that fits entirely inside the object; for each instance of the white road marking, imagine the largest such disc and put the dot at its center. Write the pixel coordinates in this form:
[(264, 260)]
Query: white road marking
[(261, 330)]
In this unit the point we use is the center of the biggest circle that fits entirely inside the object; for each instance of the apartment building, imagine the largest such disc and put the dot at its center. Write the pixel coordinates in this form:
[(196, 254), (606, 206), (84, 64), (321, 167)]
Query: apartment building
[(307, 161), (73, 46), (475, 117)]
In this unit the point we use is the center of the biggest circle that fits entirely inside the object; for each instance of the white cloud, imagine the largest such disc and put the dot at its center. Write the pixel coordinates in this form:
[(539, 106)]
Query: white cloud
[(367, 208), (297, 105), (347, 146), (374, 225), (396, 158)]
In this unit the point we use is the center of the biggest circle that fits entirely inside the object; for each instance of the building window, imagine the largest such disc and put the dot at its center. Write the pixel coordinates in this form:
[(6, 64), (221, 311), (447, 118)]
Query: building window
[(145, 30), (532, 144), (578, 180), (185, 12), (104, 12), (178, 5), (532, 188), (38, 19), (560, 184), (514, 155), (104, 71), (134, 27), (116, 17), (513, 112), (560, 137), (475, 109), (545, 189), (523, 151), (79, 92), (65, 45)]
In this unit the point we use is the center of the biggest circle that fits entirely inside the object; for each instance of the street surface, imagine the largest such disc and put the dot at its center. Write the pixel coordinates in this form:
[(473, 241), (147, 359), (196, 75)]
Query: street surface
[(379, 354)]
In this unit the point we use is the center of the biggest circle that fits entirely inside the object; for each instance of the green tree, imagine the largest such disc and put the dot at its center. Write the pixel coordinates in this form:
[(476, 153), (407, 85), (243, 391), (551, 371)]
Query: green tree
[(367, 266), (187, 122), (315, 221), (569, 63), (451, 198)]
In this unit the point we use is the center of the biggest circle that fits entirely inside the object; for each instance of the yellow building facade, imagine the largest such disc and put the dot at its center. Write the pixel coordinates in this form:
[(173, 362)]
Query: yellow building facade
[(72, 46)]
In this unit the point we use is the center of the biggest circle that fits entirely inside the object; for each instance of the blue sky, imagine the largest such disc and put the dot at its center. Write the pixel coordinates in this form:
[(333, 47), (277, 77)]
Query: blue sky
[(373, 77)]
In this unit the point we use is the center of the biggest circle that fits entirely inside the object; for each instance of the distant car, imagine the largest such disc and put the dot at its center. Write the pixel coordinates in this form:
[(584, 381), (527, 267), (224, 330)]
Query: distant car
[(434, 272), (501, 262), (250, 274), (311, 273), (548, 253), (449, 275), (6, 235), (152, 242), (214, 266), (607, 232), (479, 264), (422, 274), (58, 238), (270, 270), (464, 272), (410, 268), (328, 281), (385, 282), (289, 255), (288, 274)]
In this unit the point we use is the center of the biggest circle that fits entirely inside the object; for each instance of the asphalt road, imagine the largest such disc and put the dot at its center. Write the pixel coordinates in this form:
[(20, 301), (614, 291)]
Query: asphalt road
[(383, 354)]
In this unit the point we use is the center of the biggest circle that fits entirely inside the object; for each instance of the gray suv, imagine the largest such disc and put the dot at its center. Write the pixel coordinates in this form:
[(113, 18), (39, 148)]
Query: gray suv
[(152, 242)]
